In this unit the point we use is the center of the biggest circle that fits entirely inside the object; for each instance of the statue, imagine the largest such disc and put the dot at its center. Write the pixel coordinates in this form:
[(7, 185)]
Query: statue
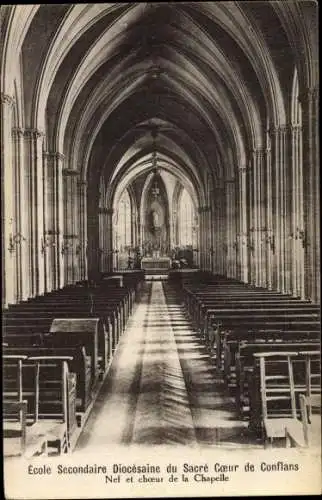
[(155, 219)]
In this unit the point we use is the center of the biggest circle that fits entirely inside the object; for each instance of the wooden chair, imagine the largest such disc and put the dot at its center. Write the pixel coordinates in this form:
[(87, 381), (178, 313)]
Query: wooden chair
[(311, 422), (14, 426), (277, 392), (55, 419)]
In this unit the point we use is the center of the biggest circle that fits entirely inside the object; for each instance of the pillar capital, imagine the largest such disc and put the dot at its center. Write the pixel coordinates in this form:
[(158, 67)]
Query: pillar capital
[(33, 133), (204, 209), (68, 172), (55, 156), (70, 236), (7, 100), (308, 95), (17, 133), (104, 210), (257, 152), (276, 130), (242, 169)]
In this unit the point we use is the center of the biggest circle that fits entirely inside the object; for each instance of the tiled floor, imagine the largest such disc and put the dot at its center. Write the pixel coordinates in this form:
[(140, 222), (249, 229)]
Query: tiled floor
[(162, 388)]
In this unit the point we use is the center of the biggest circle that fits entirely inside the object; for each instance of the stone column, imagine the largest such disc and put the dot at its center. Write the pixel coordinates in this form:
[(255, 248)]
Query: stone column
[(269, 236), (259, 220), (101, 232), (7, 185), (105, 227), (82, 197), (296, 209), (242, 234), (205, 210), (174, 241), (110, 245), (279, 205), (71, 235), (311, 183), (33, 140), (195, 239), (203, 241), (212, 231), (200, 237), (20, 203), (53, 224), (231, 232)]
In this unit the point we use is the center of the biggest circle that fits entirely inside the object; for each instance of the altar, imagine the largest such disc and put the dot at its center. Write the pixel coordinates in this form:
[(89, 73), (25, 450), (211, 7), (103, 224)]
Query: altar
[(155, 263)]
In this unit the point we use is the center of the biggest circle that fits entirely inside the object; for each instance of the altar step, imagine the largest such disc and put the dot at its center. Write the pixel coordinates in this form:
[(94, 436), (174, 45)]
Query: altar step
[(156, 275)]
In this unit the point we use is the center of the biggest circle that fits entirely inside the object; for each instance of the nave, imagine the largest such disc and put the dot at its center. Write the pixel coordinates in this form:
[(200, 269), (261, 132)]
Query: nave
[(162, 386), (144, 139)]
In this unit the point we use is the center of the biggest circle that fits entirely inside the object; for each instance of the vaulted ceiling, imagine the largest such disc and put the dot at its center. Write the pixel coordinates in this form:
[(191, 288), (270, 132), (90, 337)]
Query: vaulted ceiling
[(211, 77)]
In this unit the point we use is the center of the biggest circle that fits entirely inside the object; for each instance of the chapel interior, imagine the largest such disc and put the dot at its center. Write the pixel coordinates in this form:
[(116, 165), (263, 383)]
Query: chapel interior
[(160, 225)]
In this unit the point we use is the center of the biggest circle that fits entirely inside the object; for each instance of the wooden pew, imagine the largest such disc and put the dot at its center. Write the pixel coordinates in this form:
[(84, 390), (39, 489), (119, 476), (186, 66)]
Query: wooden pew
[(79, 363), (88, 332), (47, 312), (22, 324), (226, 338), (210, 314)]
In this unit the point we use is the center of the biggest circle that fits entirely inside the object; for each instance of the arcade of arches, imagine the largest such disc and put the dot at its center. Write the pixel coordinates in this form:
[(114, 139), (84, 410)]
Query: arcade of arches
[(222, 96)]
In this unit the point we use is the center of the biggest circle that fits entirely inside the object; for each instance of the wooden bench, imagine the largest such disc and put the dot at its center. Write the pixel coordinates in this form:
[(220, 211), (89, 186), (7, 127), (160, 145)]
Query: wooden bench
[(23, 326), (46, 313), (88, 332), (80, 364), (225, 339)]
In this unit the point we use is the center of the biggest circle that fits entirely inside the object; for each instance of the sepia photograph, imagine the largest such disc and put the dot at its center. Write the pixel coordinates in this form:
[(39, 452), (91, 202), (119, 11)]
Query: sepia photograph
[(161, 332)]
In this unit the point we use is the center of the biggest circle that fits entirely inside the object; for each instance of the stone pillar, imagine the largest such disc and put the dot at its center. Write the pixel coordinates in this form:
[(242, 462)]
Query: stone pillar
[(105, 228), (259, 218), (7, 185), (110, 245), (71, 234), (310, 234), (242, 234), (212, 232), (53, 226), (219, 229), (22, 277), (206, 210), (82, 197), (201, 238), (269, 234), (279, 206), (175, 237), (204, 246), (33, 140), (101, 232), (231, 230)]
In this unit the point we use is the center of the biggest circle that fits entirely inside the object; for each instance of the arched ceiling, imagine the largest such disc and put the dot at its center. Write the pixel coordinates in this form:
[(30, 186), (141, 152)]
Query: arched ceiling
[(212, 76)]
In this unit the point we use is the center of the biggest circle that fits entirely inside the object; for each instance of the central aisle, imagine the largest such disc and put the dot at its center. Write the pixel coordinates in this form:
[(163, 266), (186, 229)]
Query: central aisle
[(162, 387), (144, 399)]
